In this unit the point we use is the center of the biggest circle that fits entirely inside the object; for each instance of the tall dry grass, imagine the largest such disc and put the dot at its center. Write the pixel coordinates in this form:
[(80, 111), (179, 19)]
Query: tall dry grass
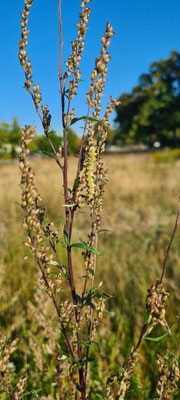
[(139, 211)]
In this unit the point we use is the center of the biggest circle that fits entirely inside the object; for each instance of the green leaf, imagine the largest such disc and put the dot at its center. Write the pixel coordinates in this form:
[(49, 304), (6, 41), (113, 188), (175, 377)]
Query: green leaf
[(61, 242), (107, 312), (89, 344), (80, 364), (49, 154), (78, 387), (157, 339), (18, 204), (91, 271), (84, 276), (70, 360), (79, 299), (89, 303), (69, 205), (75, 326), (29, 392), (104, 230), (103, 295), (66, 236), (92, 291), (76, 183), (61, 291), (146, 317), (74, 120), (99, 396), (87, 248), (65, 274)]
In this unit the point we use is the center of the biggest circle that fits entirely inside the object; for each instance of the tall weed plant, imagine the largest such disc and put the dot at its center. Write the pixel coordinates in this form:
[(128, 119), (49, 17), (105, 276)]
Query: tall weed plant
[(68, 311)]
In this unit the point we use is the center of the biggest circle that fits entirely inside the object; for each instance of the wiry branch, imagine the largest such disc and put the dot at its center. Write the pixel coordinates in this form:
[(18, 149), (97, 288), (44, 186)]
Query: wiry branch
[(170, 244)]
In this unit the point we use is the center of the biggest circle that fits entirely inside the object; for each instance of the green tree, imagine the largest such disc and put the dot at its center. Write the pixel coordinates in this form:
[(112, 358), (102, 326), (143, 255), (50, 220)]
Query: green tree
[(42, 143), (4, 133), (15, 133), (151, 111), (10, 134), (73, 142), (14, 137)]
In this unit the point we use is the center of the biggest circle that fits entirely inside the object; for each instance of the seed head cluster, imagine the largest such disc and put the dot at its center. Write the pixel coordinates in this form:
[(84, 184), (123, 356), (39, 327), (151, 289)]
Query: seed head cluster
[(156, 304), (80, 316), (77, 49), (23, 57), (31, 204), (126, 374), (94, 172), (6, 349), (168, 378), (27, 67)]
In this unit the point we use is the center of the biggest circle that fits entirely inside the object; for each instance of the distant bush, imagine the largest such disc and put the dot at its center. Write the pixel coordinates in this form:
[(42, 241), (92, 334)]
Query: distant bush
[(167, 155), (10, 139)]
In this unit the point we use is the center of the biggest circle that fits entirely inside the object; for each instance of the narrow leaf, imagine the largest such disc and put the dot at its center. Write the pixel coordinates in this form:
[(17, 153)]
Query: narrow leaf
[(104, 230), (29, 392), (157, 339), (49, 154), (18, 204), (99, 396), (146, 317), (75, 326), (91, 271), (76, 183), (74, 120), (66, 237), (69, 205), (87, 248)]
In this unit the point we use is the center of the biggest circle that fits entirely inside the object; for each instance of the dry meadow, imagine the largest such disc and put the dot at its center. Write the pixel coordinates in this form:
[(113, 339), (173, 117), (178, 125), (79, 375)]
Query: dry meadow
[(140, 206)]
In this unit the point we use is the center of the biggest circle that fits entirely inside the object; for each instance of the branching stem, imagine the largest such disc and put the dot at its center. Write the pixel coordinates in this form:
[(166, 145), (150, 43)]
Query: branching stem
[(67, 212)]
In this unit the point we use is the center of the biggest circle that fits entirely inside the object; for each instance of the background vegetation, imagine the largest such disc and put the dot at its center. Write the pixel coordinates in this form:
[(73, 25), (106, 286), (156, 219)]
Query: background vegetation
[(139, 212), (149, 114)]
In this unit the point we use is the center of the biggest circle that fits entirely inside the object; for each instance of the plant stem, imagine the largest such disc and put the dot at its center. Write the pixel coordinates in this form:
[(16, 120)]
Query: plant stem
[(67, 212), (54, 301), (170, 244)]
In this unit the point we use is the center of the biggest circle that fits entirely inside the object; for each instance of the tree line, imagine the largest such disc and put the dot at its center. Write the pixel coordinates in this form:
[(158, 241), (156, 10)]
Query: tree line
[(149, 114), (10, 140)]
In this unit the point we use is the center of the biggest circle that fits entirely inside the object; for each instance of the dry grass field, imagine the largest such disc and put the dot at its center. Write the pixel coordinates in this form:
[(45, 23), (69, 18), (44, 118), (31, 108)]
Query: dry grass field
[(140, 208)]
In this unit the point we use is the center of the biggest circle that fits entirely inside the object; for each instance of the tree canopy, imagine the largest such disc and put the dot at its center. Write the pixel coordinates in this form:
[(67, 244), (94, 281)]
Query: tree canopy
[(151, 112)]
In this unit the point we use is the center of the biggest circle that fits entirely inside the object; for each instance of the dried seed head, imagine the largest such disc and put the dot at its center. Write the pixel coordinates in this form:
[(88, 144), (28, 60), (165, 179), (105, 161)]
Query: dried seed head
[(156, 304), (168, 377), (126, 374)]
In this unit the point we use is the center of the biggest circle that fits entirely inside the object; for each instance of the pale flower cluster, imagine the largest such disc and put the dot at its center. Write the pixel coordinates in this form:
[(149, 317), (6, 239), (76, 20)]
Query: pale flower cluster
[(156, 305), (27, 67), (6, 349), (30, 203), (168, 378), (126, 374), (77, 49), (23, 57), (98, 75)]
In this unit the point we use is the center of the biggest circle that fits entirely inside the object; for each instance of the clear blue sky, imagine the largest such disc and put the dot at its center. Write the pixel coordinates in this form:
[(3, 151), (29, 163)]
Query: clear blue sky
[(146, 30)]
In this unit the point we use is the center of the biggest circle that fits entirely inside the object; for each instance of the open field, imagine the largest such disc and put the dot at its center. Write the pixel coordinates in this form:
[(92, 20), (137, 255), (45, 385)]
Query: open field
[(140, 208)]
